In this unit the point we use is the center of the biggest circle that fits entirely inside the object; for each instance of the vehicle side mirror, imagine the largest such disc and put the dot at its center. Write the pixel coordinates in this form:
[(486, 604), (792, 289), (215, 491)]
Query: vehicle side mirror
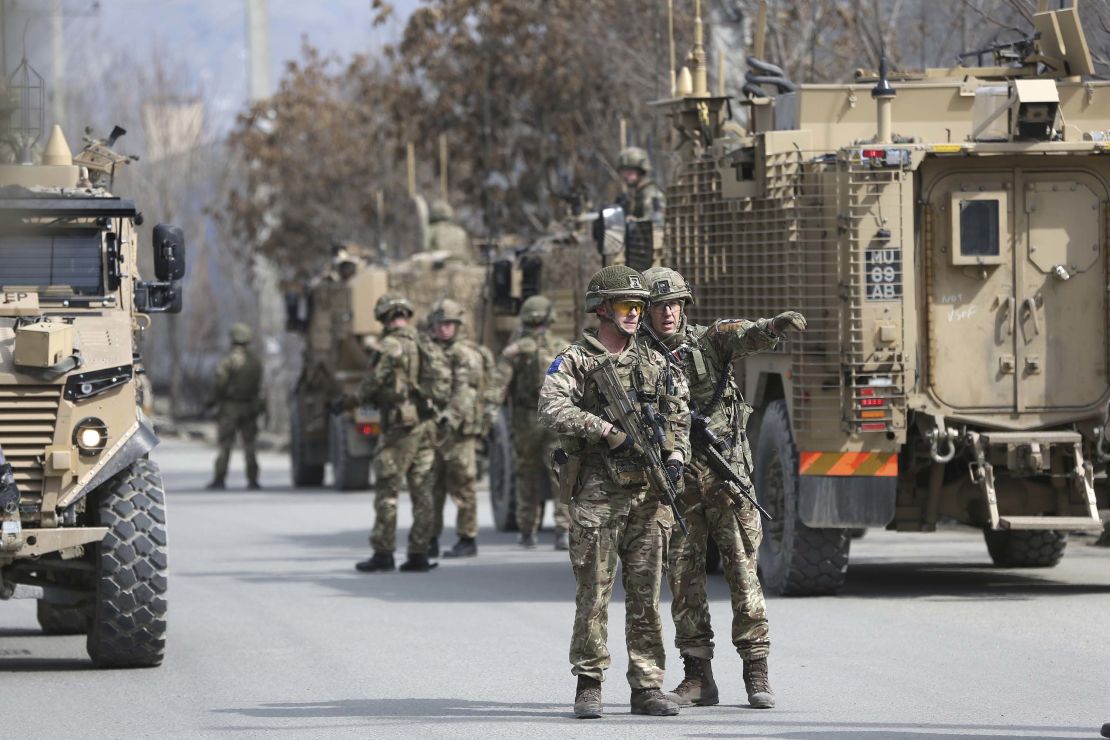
[(610, 230), (169, 252)]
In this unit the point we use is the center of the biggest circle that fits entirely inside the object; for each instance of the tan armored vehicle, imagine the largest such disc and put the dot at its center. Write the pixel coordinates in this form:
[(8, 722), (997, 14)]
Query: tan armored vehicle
[(945, 233), (82, 508), (335, 315)]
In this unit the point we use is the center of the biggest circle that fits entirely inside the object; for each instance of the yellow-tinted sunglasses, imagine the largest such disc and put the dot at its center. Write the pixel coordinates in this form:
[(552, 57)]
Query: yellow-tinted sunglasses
[(628, 306)]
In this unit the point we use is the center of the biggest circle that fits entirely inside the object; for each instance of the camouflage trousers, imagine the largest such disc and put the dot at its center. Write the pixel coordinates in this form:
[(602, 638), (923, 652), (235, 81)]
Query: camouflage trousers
[(453, 474), (237, 418), (533, 447), (737, 532), (404, 456), (609, 525)]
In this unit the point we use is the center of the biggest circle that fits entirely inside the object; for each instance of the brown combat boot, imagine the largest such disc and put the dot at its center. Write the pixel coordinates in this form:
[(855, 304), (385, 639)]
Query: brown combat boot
[(697, 687), (758, 685), (653, 702), (587, 698)]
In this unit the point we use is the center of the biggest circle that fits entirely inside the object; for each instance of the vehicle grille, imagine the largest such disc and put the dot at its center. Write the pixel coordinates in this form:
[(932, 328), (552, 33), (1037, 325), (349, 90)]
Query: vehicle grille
[(28, 416)]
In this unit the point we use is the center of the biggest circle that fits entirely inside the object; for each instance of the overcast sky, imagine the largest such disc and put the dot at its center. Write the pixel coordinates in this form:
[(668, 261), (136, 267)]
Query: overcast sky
[(210, 35)]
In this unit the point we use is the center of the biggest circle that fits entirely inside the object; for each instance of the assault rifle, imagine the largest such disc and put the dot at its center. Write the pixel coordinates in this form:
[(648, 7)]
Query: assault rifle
[(715, 449), (643, 427)]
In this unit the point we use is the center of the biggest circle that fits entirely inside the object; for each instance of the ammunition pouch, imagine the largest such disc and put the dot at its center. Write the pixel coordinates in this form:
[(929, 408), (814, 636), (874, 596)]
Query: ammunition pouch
[(626, 472), (569, 467)]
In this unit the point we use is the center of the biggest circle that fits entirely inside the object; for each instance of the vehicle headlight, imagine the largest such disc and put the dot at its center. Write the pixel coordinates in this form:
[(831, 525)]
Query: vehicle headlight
[(91, 436)]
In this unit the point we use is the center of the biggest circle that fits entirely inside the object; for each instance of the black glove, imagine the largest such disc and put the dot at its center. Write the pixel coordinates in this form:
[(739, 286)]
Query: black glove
[(674, 470), (617, 440)]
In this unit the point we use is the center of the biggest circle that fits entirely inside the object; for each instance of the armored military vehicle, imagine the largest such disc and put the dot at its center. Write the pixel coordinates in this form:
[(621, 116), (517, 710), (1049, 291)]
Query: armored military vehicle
[(945, 233), (335, 315), (82, 507)]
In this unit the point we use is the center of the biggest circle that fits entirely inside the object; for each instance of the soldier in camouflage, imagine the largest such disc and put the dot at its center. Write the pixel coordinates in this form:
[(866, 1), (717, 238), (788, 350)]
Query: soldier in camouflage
[(705, 354), (237, 396), (460, 426), (645, 199), (405, 452), (614, 516), (522, 367), (444, 235)]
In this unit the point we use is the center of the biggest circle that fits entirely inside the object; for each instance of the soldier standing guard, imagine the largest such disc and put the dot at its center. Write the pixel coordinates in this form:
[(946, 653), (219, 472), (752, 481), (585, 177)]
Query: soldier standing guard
[(614, 515), (459, 427), (705, 354), (405, 452), (444, 235), (645, 199), (523, 363), (237, 395)]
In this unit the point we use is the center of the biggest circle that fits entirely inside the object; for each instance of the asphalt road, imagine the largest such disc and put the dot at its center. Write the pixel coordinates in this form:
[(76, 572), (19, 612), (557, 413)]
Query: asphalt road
[(273, 633)]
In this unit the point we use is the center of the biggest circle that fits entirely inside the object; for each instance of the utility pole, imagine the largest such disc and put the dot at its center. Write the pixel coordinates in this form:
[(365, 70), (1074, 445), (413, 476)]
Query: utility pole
[(258, 49), (58, 94)]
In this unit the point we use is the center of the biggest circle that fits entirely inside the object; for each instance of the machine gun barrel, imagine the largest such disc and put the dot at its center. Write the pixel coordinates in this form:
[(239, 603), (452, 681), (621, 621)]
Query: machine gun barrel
[(633, 422), (706, 441)]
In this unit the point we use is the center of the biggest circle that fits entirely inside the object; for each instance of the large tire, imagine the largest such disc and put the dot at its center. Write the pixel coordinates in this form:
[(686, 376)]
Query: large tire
[(128, 627), (63, 620), (1025, 548), (502, 481), (305, 473), (348, 473), (794, 560)]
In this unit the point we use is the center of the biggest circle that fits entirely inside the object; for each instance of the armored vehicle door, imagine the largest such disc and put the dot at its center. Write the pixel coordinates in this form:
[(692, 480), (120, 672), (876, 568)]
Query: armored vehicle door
[(969, 272), (1016, 282), (1061, 297)]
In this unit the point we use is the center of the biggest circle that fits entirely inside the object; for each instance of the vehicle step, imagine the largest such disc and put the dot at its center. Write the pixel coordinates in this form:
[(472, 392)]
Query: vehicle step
[(1062, 523), (1055, 438)]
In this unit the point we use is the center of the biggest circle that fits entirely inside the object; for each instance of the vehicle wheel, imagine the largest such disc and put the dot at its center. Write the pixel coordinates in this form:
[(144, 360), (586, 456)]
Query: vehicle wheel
[(712, 556), (348, 473), (304, 472), (794, 560), (502, 485), (63, 620), (128, 628), (1021, 548)]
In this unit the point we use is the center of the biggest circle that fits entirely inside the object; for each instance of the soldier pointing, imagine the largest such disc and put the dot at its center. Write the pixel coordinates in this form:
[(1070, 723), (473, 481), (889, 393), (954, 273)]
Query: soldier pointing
[(705, 354)]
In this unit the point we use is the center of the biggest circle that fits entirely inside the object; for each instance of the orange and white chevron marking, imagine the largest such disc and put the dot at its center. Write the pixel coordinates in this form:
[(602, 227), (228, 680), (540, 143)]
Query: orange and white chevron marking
[(876, 464)]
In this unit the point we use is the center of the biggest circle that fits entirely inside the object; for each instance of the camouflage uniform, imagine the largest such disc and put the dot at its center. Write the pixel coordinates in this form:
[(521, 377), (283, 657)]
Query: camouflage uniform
[(705, 353), (646, 199), (456, 466), (613, 514), (445, 235), (405, 451), (237, 393), (523, 362)]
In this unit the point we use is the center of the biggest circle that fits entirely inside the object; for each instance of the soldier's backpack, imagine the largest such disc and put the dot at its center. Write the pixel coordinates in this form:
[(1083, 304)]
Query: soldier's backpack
[(433, 375)]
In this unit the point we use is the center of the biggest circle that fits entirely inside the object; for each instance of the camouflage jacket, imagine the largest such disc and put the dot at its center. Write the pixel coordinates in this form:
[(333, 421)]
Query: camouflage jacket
[(391, 384), (522, 366), (647, 201), (238, 379), (705, 353), (572, 407), (465, 410)]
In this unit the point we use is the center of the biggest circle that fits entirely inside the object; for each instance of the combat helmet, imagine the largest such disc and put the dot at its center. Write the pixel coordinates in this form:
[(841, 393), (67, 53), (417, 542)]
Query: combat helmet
[(447, 310), (634, 158), (240, 333), (440, 211), (535, 311), (615, 281), (389, 306), (666, 284)]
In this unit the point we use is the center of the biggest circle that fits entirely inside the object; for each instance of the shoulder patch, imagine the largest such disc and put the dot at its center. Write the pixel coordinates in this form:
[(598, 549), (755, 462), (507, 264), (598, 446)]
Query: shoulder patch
[(556, 363)]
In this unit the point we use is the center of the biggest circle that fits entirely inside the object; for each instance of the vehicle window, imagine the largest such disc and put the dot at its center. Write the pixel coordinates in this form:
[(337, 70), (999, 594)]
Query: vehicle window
[(59, 263), (979, 228)]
